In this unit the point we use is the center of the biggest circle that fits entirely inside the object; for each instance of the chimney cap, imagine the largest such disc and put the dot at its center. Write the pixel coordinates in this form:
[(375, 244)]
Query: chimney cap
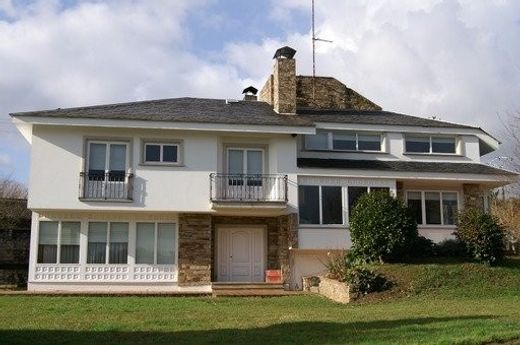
[(250, 89), (284, 52)]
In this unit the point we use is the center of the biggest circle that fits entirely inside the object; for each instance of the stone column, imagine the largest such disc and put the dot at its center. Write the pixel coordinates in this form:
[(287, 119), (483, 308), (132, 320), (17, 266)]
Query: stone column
[(473, 196), (195, 249)]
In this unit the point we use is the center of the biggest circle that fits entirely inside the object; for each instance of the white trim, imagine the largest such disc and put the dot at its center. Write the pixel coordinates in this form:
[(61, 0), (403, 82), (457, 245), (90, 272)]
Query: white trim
[(239, 128)]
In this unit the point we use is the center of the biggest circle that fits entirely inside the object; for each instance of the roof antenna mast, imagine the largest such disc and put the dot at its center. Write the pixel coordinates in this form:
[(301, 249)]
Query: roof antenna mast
[(314, 39)]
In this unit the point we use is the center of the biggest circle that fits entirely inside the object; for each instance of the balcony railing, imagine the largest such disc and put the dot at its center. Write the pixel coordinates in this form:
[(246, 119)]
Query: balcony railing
[(106, 186), (248, 188)]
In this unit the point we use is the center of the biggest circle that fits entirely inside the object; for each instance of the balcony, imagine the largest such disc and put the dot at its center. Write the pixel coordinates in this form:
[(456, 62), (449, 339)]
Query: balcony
[(240, 189), (106, 186)]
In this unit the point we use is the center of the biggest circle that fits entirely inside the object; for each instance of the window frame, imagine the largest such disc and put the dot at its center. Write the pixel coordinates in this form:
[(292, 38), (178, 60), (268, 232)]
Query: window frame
[(245, 149), (155, 246), (108, 143), (430, 138), (330, 141), (162, 142), (423, 205), (58, 241), (344, 204), (107, 243)]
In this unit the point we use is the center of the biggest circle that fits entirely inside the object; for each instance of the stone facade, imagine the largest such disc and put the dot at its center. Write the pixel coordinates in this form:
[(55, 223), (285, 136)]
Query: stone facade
[(473, 196), (195, 249), (329, 93), (334, 290)]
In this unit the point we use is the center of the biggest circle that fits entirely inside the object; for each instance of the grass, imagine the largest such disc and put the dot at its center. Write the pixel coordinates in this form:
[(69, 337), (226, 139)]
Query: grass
[(432, 303)]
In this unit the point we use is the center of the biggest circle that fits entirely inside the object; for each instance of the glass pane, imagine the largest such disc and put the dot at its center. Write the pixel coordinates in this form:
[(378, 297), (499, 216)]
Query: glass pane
[(443, 145), (319, 141), (309, 206), (332, 206), (118, 243), (166, 244), (170, 153), (145, 243), (152, 153), (369, 142), (69, 252), (254, 162), (449, 207), (354, 193), (417, 144), (117, 157), (48, 243), (236, 162), (97, 242), (415, 205), (344, 141), (97, 158), (433, 207)]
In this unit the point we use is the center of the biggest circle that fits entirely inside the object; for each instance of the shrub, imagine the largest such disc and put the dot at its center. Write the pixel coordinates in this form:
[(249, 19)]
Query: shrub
[(381, 228), (453, 248), (482, 235), (421, 247), (337, 265), (363, 280)]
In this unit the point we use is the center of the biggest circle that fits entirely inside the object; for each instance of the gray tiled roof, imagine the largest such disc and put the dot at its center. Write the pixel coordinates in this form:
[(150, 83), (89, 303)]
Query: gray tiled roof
[(203, 110), (455, 168), (374, 118), (199, 110)]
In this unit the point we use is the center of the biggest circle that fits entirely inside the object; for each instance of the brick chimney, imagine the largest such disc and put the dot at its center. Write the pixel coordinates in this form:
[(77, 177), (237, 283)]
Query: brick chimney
[(280, 88)]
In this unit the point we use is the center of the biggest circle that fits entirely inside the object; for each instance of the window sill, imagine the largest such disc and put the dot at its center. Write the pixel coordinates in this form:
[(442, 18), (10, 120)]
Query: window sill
[(123, 201), (436, 226), (165, 165), (346, 151), (433, 154), (323, 226)]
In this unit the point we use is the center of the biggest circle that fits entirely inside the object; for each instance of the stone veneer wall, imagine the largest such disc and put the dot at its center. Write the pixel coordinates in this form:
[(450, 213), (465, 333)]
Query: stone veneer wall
[(329, 93), (284, 86), (473, 196), (195, 249)]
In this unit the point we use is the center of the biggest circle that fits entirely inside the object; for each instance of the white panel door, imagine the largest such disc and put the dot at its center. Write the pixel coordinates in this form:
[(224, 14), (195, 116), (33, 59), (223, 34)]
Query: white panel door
[(241, 255)]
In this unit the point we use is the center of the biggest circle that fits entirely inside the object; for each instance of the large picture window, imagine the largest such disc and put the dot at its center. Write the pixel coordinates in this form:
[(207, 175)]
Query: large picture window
[(432, 207), (156, 243), (107, 243), (320, 205), (430, 144), (344, 141), (58, 242)]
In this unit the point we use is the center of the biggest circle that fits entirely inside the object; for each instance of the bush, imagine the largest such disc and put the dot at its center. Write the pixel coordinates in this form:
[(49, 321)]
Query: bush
[(363, 280), (421, 247), (482, 235), (453, 248), (381, 228)]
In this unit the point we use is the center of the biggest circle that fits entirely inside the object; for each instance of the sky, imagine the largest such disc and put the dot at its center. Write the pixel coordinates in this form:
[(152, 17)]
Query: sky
[(458, 60)]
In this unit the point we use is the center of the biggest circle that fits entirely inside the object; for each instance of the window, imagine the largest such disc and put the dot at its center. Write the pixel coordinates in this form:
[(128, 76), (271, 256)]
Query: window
[(245, 162), (167, 153), (343, 141), (430, 144), (156, 243), (107, 158), (58, 240), (328, 199), (115, 235), (433, 208)]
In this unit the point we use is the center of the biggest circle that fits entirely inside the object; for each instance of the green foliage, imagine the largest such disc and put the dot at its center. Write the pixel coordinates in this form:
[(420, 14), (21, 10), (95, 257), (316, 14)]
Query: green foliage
[(482, 235), (363, 280), (453, 248), (421, 247), (381, 228)]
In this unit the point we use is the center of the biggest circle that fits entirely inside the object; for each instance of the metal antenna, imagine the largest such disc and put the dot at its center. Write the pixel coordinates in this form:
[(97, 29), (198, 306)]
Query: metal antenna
[(314, 39)]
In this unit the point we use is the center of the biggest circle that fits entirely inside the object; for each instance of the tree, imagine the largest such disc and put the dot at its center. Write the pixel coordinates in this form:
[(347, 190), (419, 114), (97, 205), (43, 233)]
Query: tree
[(11, 189)]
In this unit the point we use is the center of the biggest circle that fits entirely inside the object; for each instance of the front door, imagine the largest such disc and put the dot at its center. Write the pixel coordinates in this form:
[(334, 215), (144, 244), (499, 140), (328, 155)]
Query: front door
[(241, 254)]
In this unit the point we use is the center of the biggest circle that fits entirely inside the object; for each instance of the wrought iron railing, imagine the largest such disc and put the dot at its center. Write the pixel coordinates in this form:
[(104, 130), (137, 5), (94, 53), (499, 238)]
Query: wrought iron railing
[(248, 187), (106, 186)]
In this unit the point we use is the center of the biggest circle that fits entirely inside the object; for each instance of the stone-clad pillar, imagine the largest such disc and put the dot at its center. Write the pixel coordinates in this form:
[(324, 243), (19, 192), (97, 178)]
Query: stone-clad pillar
[(195, 249)]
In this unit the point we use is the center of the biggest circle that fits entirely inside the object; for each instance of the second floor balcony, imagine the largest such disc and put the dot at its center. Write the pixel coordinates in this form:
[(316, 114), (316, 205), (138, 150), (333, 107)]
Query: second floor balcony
[(235, 189), (106, 186)]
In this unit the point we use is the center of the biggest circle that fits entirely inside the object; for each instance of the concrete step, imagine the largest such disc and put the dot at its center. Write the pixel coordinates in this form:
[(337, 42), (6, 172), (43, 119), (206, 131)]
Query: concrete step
[(246, 286)]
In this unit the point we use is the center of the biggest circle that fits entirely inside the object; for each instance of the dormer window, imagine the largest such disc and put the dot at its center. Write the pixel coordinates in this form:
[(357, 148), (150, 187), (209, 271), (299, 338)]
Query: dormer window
[(430, 144), (344, 141)]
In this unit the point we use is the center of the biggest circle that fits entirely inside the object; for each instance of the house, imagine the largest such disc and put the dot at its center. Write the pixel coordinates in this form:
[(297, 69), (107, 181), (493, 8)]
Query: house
[(176, 194)]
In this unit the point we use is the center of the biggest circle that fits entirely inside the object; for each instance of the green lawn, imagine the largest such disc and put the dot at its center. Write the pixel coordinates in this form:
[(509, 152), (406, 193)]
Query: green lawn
[(432, 304)]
